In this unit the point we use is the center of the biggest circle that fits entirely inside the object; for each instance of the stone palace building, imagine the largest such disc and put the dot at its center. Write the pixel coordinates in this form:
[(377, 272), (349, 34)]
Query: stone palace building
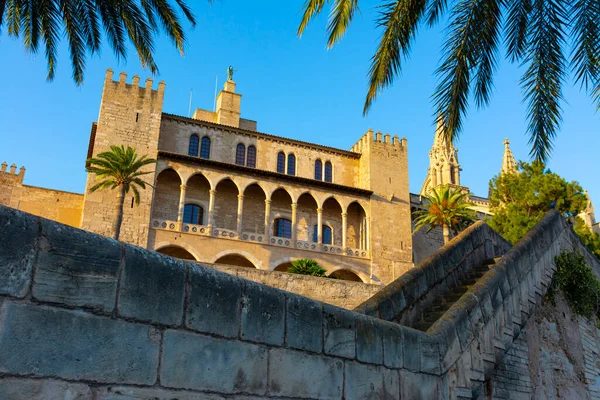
[(227, 193)]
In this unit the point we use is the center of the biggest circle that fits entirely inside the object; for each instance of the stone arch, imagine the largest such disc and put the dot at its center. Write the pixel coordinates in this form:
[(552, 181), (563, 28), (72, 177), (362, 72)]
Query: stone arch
[(332, 216), (168, 166), (357, 226), (178, 251), (253, 212), (226, 203), (198, 192), (347, 275), (306, 216), (224, 178), (233, 256), (283, 267), (286, 260), (166, 195), (281, 207)]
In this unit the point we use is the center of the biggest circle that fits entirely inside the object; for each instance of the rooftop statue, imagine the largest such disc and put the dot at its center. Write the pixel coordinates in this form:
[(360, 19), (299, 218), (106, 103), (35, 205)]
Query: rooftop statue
[(230, 72)]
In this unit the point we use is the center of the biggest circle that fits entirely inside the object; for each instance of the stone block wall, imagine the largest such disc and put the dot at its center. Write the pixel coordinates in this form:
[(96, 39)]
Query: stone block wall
[(344, 294), (404, 299), (83, 316)]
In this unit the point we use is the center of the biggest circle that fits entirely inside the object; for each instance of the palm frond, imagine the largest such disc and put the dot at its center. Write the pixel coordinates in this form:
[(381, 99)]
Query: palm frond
[(341, 16), (312, 9), (434, 10), (542, 81), (585, 23), (399, 20), (517, 25), (471, 44)]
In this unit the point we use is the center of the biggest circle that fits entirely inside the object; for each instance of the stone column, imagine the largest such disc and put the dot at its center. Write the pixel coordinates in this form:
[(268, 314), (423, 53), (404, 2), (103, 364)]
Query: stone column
[(181, 204), (433, 175), (438, 171), (294, 223), (457, 175), (344, 230), (320, 225), (267, 220), (211, 210), (240, 215)]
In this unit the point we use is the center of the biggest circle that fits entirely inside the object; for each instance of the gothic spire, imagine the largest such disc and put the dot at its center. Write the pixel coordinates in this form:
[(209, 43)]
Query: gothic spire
[(509, 165)]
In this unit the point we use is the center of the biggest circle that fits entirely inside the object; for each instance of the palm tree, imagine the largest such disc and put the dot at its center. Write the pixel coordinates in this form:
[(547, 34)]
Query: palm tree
[(84, 22), (448, 208), (305, 266), (549, 37), (119, 169)]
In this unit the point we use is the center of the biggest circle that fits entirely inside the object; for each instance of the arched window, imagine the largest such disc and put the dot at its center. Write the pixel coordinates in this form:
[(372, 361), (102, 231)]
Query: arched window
[(281, 162), (318, 170), (193, 148), (327, 234), (205, 147), (291, 167), (193, 214), (240, 154), (328, 172), (251, 160), (283, 228)]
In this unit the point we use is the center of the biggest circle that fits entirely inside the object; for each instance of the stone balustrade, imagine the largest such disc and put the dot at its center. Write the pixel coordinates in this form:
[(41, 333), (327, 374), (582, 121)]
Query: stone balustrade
[(223, 233)]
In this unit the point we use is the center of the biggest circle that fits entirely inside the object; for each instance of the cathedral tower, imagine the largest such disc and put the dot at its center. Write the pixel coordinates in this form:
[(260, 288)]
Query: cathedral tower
[(509, 166), (444, 168)]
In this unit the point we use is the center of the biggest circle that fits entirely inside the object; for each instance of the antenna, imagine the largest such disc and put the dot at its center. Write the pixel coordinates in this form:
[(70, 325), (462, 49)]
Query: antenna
[(216, 85), (190, 107)]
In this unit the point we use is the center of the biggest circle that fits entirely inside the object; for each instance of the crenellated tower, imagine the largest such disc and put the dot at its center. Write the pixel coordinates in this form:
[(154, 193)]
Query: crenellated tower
[(130, 115), (383, 169), (444, 168), (11, 183)]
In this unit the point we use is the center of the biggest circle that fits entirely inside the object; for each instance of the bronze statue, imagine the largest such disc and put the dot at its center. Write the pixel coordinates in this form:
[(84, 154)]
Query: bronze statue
[(230, 72)]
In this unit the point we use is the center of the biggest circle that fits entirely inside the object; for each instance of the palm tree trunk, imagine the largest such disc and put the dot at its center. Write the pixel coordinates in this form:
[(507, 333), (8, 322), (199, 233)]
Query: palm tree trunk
[(119, 212), (446, 233)]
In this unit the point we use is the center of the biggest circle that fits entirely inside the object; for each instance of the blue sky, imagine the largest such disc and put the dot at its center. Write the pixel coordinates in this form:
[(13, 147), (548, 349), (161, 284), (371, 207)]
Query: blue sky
[(293, 87)]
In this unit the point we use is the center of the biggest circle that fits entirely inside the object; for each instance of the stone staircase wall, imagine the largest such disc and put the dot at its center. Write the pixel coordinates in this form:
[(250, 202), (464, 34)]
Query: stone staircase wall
[(404, 300), (481, 328)]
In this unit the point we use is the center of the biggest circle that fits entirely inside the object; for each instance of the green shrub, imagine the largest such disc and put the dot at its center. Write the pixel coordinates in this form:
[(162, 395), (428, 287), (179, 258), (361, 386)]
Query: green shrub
[(578, 283), (305, 266)]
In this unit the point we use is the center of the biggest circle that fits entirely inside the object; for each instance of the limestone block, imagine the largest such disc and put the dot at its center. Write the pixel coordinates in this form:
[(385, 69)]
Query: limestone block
[(304, 324), (415, 386), (368, 382), (430, 354), (213, 304), (339, 332), (42, 389), (152, 287), (45, 341), (76, 268), (263, 314), (296, 374), (411, 351), (137, 393), (193, 361), (369, 344), (19, 233), (392, 338)]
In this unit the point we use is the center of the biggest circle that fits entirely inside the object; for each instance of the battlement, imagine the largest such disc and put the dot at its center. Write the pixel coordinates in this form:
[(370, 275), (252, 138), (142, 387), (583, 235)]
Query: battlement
[(122, 84), (12, 172), (371, 136)]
